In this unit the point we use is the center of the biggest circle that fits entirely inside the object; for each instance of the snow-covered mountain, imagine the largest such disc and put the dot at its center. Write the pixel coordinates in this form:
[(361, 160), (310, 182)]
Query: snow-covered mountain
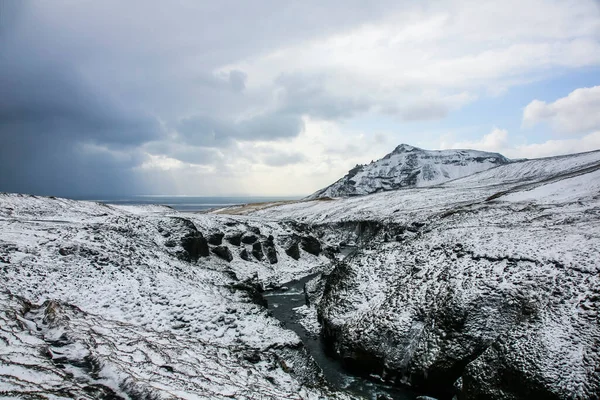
[(409, 166)]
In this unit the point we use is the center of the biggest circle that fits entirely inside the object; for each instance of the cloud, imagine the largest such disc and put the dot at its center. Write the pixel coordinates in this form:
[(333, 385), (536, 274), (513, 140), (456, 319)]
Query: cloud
[(207, 131), (498, 141), (579, 112), (120, 97), (557, 147)]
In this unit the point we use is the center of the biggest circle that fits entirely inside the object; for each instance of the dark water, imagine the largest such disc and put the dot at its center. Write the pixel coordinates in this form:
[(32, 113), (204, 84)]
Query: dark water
[(281, 303), (187, 203)]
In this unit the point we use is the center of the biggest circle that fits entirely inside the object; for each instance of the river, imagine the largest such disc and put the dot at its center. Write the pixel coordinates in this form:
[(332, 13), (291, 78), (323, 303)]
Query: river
[(282, 302)]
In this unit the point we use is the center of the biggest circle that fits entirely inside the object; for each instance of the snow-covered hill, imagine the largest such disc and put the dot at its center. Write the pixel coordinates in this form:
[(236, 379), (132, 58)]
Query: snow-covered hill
[(486, 286), (103, 301), (409, 166)]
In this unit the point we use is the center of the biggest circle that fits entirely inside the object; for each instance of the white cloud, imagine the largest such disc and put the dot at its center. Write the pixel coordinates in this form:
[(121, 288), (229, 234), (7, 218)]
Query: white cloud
[(556, 147), (579, 112), (498, 141), (427, 54)]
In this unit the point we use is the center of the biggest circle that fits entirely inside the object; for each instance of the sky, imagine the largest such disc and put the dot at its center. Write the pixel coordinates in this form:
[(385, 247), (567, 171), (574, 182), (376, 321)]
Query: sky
[(281, 98)]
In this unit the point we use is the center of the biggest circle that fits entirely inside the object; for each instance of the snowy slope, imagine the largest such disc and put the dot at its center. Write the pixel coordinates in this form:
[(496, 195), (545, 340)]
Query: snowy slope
[(486, 285), (98, 299), (409, 166)]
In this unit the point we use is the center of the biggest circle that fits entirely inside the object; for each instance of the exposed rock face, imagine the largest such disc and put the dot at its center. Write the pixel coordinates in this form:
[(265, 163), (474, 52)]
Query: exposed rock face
[(311, 245), (249, 238), (409, 166), (293, 251), (216, 238), (244, 255), (223, 252), (195, 245), (235, 238), (269, 248), (508, 310), (257, 251)]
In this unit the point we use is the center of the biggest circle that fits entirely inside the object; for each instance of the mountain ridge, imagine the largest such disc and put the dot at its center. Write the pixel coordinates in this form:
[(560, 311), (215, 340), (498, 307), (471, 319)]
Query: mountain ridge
[(410, 166)]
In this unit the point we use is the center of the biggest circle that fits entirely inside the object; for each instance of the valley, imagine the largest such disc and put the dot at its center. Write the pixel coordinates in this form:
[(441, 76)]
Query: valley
[(481, 287)]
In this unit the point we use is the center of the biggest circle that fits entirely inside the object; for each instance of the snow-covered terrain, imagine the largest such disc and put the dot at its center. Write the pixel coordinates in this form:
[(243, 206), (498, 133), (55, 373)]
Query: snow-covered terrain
[(486, 286), (409, 166), (136, 302)]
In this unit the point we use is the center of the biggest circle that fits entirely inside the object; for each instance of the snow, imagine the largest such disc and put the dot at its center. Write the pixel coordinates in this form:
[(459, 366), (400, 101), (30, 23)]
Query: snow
[(102, 290), (132, 305), (409, 166)]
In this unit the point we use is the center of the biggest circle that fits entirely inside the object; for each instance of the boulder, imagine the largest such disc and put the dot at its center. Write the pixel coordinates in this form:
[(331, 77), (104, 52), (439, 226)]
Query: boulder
[(311, 245), (293, 251), (234, 238), (244, 255), (257, 251), (195, 245), (223, 252), (216, 238), (249, 238)]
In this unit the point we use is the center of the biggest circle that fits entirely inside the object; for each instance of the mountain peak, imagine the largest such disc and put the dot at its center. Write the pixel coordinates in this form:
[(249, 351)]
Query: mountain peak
[(410, 166), (404, 148)]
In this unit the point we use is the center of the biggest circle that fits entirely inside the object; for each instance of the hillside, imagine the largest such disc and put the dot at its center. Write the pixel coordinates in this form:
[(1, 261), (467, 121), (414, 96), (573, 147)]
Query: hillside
[(486, 287), (409, 166)]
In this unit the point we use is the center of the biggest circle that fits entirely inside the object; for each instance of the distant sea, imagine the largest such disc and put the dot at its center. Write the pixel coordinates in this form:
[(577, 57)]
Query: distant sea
[(187, 203)]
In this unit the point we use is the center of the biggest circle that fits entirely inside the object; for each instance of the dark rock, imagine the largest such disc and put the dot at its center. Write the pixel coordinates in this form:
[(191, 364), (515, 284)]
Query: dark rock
[(293, 251), (195, 246), (170, 243), (244, 255), (235, 238), (253, 289), (254, 230), (253, 357), (257, 251), (271, 253), (270, 239), (249, 238), (223, 252), (65, 251), (311, 245), (216, 238)]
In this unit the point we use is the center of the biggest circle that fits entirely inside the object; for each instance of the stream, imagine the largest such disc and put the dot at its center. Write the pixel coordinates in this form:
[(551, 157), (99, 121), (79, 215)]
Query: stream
[(282, 302)]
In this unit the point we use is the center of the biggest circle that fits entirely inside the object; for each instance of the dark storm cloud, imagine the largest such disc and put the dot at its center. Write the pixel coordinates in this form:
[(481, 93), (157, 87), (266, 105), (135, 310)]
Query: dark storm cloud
[(86, 86), (306, 94), (208, 131), (49, 114)]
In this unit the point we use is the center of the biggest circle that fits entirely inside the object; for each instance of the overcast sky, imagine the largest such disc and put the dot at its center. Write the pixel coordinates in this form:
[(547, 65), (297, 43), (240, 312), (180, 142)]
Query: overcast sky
[(273, 97)]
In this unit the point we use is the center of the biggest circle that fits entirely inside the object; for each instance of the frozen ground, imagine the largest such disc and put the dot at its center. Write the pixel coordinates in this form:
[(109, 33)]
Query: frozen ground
[(98, 298), (488, 283)]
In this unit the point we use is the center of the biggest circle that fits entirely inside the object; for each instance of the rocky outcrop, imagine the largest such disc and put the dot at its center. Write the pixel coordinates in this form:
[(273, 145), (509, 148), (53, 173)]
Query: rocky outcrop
[(311, 245), (244, 255), (195, 246), (216, 238), (451, 307), (223, 252), (293, 251), (270, 251), (234, 238), (249, 238), (257, 251)]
